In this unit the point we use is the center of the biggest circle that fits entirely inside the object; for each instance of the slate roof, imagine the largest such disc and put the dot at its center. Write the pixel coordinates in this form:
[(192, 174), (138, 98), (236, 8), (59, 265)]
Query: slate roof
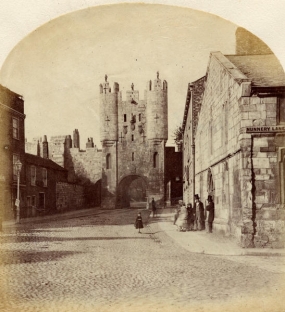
[(43, 162), (263, 70)]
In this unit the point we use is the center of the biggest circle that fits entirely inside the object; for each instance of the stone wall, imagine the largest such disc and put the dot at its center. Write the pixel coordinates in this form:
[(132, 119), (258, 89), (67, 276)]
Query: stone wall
[(69, 196), (262, 167), (217, 147)]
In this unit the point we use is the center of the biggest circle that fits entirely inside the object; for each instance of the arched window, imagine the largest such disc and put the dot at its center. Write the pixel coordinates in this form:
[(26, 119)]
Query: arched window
[(108, 161), (155, 160)]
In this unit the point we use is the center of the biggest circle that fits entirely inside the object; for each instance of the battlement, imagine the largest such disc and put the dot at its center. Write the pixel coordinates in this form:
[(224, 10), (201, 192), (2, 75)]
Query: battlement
[(156, 84), (105, 87)]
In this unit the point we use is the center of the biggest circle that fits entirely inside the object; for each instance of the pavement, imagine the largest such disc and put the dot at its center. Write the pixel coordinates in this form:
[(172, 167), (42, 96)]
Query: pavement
[(95, 260), (209, 243), (194, 241)]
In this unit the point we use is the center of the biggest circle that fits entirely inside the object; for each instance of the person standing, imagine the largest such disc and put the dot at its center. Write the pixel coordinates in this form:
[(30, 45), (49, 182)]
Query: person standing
[(153, 207), (190, 218), (200, 217), (211, 208), (139, 223), (181, 221)]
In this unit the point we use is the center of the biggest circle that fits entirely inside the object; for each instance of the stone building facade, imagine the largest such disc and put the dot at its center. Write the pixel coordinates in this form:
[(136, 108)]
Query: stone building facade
[(239, 142), (12, 145), (133, 135)]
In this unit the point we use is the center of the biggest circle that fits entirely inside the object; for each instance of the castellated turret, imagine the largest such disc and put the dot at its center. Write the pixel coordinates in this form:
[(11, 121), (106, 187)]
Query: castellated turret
[(108, 112), (156, 110)]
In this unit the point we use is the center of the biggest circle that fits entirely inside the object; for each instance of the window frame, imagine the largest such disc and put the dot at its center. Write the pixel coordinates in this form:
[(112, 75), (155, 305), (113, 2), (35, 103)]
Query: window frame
[(17, 137), (108, 161), (16, 157), (33, 178), (44, 176)]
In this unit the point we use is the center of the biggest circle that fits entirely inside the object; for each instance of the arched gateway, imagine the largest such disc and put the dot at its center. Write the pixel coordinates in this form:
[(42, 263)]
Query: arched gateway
[(133, 135), (132, 191)]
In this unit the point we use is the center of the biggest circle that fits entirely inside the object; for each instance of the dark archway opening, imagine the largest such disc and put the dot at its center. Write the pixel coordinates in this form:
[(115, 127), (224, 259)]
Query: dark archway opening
[(132, 192)]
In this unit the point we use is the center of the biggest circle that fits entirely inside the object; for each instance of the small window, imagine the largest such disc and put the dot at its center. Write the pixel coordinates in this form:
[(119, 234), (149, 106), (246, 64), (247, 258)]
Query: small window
[(132, 137), (133, 156), (140, 117), (108, 161), (33, 175), (15, 128), (34, 201), (125, 117), (16, 157), (281, 110), (155, 160), (44, 173)]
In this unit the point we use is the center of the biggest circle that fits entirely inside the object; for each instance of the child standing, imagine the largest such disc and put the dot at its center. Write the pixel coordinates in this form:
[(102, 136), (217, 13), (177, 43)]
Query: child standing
[(139, 223)]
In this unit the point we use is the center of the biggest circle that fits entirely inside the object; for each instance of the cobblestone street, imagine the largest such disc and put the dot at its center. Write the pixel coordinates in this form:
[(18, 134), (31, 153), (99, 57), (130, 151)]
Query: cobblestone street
[(99, 262)]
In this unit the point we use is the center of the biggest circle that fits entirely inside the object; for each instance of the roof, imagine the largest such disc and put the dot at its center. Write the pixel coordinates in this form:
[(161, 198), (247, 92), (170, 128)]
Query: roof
[(43, 162), (263, 70)]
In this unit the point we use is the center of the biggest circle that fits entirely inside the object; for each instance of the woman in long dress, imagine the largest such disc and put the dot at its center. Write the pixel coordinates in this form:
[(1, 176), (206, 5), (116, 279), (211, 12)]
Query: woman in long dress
[(181, 222)]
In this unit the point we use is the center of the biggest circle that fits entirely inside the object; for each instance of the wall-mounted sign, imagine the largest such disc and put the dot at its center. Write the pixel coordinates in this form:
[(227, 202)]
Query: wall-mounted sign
[(265, 129)]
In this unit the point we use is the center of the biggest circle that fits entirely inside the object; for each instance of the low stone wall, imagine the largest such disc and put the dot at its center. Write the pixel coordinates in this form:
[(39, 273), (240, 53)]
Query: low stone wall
[(69, 196)]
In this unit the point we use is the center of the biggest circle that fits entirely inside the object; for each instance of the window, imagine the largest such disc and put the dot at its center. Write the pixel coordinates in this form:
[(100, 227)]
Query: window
[(132, 137), (133, 156), (33, 175), (41, 200), (140, 117), (44, 174), (16, 157), (108, 161), (34, 201), (15, 128), (125, 117), (281, 113), (28, 201), (155, 160)]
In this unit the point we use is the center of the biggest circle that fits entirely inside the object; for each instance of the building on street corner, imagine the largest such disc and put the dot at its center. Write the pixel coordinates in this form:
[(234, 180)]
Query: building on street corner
[(234, 143), (12, 149)]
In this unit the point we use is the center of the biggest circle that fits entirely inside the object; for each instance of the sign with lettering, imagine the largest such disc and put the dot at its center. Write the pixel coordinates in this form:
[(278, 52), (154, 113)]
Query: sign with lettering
[(265, 129), (17, 203)]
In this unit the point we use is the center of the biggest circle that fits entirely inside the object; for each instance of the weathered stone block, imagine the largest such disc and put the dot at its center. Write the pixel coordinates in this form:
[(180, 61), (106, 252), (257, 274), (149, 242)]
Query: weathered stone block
[(270, 100), (254, 115), (270, 122)]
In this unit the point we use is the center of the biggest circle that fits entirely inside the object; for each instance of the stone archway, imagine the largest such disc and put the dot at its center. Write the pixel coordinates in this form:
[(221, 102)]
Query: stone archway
[(132, 191)]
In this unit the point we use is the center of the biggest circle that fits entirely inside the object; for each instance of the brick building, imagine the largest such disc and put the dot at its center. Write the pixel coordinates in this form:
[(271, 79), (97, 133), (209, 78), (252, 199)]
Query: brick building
[(42, 177), (238, 141), (12, 144), (83, 166)]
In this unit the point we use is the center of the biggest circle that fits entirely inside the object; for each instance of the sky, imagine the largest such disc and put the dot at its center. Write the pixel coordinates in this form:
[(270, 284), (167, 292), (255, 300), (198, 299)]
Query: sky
[(58, 67)]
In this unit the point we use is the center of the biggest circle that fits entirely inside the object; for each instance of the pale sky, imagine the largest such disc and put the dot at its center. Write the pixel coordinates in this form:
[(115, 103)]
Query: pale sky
[(59, 66)]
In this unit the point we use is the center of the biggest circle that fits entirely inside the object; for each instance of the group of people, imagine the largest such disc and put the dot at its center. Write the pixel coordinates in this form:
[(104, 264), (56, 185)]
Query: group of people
[(188, 218)]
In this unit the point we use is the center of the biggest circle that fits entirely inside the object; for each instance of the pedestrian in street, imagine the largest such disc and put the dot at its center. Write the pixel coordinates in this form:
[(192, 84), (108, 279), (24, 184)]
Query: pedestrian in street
[(139, 222), (153, 207), (190, 217), (176, 214), (181, 221), (200, 217), (211, 209)]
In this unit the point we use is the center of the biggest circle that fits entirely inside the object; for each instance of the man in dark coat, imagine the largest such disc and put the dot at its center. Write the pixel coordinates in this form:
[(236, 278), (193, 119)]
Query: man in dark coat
[(153, 207), (211, 208), (200, 217)]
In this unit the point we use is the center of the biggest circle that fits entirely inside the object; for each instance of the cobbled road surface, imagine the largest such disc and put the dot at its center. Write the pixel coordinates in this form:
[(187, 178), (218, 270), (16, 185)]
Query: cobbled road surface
[(99, 262)]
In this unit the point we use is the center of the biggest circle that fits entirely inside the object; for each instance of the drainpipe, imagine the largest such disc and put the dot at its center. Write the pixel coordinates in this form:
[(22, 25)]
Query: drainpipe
[(193, 146)]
